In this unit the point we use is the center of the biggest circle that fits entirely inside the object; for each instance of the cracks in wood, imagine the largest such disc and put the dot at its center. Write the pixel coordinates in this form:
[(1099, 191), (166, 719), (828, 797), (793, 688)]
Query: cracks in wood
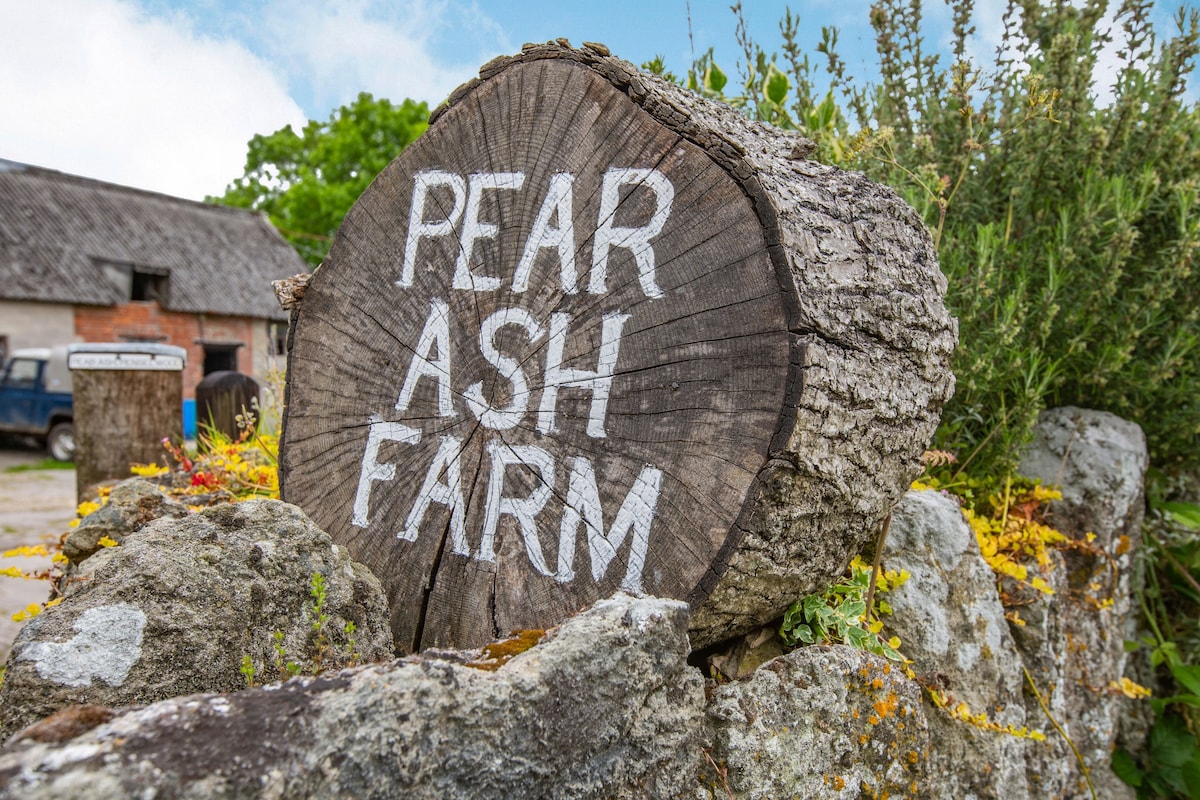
[(826, 338), (537, 117)]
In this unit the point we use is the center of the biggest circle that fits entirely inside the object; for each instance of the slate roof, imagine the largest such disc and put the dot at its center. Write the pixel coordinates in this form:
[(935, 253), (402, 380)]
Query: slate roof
[(57, 229)]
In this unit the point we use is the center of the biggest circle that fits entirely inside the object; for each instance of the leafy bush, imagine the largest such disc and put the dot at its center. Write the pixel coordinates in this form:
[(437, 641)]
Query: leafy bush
[(1069, 228)]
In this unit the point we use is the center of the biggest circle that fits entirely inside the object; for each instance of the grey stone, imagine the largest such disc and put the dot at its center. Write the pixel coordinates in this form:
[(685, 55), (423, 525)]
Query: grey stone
[(951, 624), (174, 610), (604, 707), (1073, 643), (131, 505), (823, 721), (1100, 462)]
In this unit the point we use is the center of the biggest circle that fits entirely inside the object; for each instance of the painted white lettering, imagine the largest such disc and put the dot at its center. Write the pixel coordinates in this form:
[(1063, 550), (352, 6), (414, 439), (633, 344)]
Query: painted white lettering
[(436, 333), (635, 240), (418, 227), (523, 509), (509, 369), (560, 237), (475, 229), (372, 471), (599, 382), (636, 513), (448, 493)]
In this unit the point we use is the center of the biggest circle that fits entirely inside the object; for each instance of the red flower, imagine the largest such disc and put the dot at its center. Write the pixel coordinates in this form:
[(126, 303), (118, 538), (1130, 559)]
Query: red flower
[(204, 479)]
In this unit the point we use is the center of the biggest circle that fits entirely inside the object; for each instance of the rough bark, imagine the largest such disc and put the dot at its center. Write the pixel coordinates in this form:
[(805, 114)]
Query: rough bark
[(785, 384)]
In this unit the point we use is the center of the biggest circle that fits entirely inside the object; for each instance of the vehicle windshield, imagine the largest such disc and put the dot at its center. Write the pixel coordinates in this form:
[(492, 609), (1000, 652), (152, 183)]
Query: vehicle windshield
[(22, 373)]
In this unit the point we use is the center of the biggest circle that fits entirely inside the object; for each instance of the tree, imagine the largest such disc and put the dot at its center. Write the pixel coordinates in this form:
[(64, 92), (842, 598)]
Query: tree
[(307, 182)]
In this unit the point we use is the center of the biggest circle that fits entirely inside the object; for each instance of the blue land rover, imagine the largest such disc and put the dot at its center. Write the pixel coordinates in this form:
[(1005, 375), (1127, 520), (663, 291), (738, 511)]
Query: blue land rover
[(35, 399)]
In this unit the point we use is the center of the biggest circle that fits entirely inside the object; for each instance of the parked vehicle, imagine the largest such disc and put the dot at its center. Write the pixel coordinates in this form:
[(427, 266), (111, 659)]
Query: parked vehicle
[(35, 399)]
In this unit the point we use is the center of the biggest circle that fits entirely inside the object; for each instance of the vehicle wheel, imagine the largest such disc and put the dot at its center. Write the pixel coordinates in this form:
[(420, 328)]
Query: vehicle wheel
[(61, 442)]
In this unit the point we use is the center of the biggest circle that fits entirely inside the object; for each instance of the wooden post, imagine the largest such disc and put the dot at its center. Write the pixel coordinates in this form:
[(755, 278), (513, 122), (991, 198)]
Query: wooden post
[(127, 398), (221, 397), (592, 332)]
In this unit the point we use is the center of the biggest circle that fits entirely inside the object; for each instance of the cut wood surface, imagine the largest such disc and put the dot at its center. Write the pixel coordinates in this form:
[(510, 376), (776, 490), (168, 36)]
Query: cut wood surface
[(591, 332)]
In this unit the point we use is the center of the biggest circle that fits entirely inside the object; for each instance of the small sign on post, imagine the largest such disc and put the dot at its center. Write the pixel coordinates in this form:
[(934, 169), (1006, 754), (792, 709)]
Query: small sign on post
[(127, 398)]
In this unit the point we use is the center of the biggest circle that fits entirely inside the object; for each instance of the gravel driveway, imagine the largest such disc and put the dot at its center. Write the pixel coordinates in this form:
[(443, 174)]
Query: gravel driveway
[(35, 508)]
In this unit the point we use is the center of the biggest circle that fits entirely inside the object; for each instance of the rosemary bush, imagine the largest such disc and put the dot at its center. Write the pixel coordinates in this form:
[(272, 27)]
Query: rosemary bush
[(1068, 227)]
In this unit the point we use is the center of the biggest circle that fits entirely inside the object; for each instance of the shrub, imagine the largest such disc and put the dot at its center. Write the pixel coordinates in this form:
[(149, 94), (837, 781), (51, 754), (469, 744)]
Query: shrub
[(1068, 227)]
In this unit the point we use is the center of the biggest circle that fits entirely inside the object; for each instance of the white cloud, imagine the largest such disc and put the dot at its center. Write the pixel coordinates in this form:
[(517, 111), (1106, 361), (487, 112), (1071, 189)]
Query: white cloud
[(385, 48), (99, 88), (989, 16)]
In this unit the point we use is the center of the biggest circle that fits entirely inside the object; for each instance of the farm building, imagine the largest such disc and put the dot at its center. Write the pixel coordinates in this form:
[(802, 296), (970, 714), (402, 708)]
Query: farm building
[(86, 261)]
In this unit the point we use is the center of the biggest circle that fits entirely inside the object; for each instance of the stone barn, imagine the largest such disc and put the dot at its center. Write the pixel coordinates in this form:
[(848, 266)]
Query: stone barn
[(86, 261)]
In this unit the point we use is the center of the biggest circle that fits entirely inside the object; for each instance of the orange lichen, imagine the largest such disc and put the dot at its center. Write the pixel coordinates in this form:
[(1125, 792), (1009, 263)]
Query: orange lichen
[(887, 707), (497, 654)]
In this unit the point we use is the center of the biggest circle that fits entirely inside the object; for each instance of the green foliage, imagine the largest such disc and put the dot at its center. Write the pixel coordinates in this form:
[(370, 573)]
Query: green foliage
[(839, 614), (1067, 223), (247, 669), (1067, 226), (307, 182), (48, 463), (1170, 602), (320, 644), (1173, 762), (285, 667)]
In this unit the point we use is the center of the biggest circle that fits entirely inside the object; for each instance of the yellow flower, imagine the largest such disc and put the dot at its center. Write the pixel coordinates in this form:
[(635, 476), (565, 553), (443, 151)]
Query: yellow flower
[(31, 611), (107, 541), (12, 572), (1130, 689), (1041, 586), (25, 550), (150, 470)]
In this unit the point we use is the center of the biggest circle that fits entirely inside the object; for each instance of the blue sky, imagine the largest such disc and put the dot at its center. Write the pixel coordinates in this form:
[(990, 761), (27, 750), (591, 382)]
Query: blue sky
[(164, 94)]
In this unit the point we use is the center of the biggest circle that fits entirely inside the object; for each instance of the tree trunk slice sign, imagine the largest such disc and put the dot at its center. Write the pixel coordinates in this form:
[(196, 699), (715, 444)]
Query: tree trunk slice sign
[(563, 346)]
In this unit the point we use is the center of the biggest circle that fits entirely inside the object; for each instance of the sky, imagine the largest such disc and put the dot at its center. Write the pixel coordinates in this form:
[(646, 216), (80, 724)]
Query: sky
[(165, 94)]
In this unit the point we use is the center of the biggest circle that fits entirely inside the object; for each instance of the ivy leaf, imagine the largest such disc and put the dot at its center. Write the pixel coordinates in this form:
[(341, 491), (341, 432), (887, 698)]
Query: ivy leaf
[(1125, 768), (715, 79), (775, 85), (1191, 776), (1188, 676), (1171, 744)]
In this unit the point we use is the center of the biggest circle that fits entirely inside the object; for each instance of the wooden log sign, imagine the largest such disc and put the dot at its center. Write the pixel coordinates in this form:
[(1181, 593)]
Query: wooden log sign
[(554, 353)]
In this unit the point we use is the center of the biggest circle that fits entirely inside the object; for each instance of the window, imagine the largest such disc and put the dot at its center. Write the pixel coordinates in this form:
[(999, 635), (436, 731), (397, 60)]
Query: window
[(136, 282), (23, 373), (277, 338), (220, 357), (147, 286)]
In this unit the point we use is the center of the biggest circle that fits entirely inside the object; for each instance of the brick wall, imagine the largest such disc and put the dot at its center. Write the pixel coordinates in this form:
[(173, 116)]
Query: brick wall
[(146, 321)]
